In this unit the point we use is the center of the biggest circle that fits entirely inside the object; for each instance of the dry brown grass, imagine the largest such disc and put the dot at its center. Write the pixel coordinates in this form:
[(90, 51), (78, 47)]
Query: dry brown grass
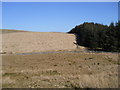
[(24, 42), (5, 31), (61, 70)]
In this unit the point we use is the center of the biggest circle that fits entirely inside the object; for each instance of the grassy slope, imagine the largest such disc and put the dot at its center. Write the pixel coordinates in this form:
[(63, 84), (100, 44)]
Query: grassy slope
[(10, 31)]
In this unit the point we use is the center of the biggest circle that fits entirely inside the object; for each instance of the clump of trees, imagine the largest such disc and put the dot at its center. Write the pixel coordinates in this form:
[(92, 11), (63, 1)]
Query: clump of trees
[(97, 36)]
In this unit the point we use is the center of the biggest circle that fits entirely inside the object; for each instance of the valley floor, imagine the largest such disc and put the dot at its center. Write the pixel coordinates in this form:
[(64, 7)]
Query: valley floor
[(60, 70)]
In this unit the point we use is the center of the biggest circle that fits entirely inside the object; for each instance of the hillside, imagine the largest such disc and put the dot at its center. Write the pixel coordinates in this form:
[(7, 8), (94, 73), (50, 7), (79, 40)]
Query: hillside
[(3, 31), (24, 42), (54, 70)]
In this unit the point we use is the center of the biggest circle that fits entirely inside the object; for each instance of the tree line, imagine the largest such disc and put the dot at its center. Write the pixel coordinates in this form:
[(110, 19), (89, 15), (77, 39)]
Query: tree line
[(97, 36)]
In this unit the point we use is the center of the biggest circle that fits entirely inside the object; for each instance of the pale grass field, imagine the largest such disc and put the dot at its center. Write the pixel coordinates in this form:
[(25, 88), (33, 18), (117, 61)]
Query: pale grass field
[(53, 70), (24, 42), (61, 70)]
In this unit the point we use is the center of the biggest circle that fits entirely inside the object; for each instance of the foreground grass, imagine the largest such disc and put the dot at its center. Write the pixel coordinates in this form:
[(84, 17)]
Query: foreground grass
[(63, 70)]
